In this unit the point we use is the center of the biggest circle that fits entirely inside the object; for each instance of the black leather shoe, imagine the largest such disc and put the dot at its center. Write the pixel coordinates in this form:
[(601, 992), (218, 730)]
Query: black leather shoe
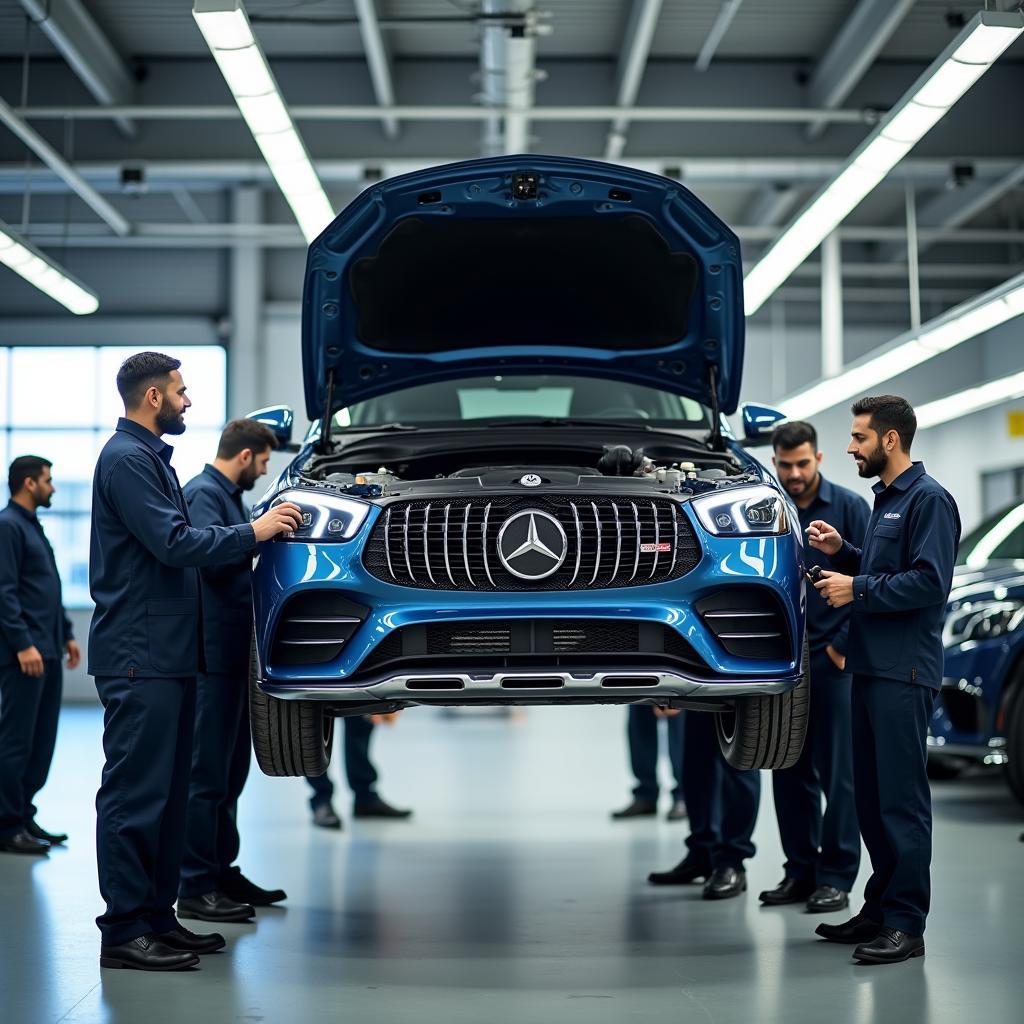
[(22, 842), (324, 816), (237, 887), (789, 890), (215, 906), (146, 953), (677, 812), (637, 809), (377, 808), (891, 946), (858, 929), (725, 883), (184, 941), (826, 899), (685, 872), (53, 838)]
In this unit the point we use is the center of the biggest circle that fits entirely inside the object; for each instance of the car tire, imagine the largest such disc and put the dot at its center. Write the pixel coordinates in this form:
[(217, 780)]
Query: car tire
[(1015, 743), (767, 732), (290, 737), (944, 769)]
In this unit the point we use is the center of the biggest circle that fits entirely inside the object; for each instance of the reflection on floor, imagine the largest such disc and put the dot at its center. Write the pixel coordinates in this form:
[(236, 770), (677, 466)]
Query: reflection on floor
[(509, 897)]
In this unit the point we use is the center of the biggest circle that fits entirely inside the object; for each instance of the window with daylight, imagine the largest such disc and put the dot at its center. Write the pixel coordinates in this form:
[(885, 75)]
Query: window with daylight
[(61, 403)]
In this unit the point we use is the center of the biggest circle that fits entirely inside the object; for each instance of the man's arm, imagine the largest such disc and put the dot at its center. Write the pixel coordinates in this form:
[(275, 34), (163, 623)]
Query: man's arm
[(932, 550), (204, 510), (857, 516), (133, 486), (12, 620)]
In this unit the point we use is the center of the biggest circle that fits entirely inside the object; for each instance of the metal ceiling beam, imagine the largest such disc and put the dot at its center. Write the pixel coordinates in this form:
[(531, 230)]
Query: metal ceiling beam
[(772, 204), (643, 17), (88, 51), (955, 207), (726, 13), (63, 169), (508, 75), (372, 112), (378, 60), (854, 49)]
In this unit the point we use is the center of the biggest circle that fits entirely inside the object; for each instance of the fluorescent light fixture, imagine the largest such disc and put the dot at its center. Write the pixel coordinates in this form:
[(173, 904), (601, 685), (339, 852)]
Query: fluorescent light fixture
[(961, 64), (945, 332), (963, 403), (46, 275), (226, 29)]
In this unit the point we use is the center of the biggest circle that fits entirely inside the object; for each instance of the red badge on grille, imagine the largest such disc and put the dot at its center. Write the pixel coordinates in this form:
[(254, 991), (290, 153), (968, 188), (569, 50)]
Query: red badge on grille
[(646, 548)]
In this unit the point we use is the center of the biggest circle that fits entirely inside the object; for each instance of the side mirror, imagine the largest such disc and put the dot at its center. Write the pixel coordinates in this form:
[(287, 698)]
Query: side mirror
[(759, 423), (279, 418)]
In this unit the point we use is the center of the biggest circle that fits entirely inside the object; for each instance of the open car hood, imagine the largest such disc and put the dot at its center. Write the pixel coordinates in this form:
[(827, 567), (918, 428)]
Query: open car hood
[(523, 264)]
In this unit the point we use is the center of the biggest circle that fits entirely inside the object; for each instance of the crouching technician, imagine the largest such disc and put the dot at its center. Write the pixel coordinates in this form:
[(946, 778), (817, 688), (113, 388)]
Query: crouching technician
[(144, 651), (897, 588), (212, 888)]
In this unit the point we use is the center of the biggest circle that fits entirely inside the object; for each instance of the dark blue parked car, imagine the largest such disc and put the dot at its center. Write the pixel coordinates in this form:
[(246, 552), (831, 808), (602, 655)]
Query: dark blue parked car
[(520, 488), (980, 713)]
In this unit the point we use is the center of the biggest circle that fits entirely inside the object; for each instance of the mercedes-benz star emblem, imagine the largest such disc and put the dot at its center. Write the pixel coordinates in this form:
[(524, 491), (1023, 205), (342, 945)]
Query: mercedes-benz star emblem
[(532, 544), (531, 480)]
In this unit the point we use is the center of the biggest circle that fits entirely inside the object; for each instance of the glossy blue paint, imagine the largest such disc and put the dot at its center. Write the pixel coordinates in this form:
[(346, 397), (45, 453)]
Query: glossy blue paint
[(760, 421), (480, 189)]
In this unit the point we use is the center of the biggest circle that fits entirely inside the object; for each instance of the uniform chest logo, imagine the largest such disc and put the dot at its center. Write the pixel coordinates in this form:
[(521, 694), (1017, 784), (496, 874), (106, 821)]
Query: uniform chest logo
[(892, 515)]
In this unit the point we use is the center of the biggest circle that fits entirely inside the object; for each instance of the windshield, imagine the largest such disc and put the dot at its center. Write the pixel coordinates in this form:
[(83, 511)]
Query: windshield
[(1000, 538), (479, 400)]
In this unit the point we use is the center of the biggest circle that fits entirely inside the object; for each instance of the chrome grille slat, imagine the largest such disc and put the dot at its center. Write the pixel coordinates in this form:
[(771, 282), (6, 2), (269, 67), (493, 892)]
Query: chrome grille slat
[(426, 550), (465, 543), (597, 561), (387, 543), (746, 636), (579, 542), (618, 539), (405, 537), (740, 615), (636, 559), (675, 540), (444, 540), (483, 533), (657, 540)]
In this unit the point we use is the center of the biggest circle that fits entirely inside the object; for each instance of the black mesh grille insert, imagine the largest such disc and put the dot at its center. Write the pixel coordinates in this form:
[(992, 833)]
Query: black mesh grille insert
[(748, 621), (609, 542), (314, 627), (535, 643)]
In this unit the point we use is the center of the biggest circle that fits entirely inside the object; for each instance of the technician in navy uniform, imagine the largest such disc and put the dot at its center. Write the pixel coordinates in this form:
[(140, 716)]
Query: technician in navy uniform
[(897, 588), (144, 650), (822, 850), (211, 887), (35, 633)]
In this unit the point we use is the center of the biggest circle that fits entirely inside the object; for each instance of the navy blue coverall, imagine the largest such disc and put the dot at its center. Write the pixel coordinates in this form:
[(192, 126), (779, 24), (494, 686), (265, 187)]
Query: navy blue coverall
[(824, 849), (144, 651), (902, 577), (31, 615), (642, 734), (359, 771), (221, 745)]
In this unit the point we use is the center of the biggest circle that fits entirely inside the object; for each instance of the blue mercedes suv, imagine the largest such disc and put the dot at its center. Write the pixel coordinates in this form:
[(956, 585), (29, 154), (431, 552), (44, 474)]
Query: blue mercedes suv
[(979, 717), (519, 487)]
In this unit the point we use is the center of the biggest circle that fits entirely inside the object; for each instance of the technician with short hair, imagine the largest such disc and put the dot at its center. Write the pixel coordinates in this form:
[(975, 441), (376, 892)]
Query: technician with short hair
[(896, 585)]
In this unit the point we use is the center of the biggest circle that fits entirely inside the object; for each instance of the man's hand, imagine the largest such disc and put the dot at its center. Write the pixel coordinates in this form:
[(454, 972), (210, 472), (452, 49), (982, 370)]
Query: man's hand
[(836, 588), (73, 652), (30, 661), (389, 719), (667, 712), (837, 659), (283, 518), (824, 537)]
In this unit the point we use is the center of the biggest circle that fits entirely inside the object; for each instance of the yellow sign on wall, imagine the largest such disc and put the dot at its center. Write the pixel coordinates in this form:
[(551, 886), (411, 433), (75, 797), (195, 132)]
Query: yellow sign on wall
[(1015, 422)]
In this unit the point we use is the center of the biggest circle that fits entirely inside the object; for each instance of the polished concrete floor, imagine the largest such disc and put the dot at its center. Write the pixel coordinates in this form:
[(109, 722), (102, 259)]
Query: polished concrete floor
[(509, 897)]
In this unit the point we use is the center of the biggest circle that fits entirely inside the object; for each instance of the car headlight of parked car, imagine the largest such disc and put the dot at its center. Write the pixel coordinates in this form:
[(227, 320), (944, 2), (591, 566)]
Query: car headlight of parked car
[(757, 511), (325, 517), (982, 620)]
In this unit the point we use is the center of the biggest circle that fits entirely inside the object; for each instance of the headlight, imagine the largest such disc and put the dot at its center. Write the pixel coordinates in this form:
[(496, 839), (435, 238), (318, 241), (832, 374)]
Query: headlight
[(982, 620), (742, 512), (325, 517)]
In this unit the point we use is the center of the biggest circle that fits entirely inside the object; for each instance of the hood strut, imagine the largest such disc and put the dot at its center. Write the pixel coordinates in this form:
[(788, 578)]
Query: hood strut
[(325, 423), (715, 438)]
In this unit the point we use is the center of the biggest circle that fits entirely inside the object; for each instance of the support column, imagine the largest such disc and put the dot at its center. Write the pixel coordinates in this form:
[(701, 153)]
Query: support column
[(245, 309), (831, 306)]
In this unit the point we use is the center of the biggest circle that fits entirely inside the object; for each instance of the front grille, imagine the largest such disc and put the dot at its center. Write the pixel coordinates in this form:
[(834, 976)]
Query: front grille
[(521, 643), (749, 623), (313, 628), (610, 542)]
